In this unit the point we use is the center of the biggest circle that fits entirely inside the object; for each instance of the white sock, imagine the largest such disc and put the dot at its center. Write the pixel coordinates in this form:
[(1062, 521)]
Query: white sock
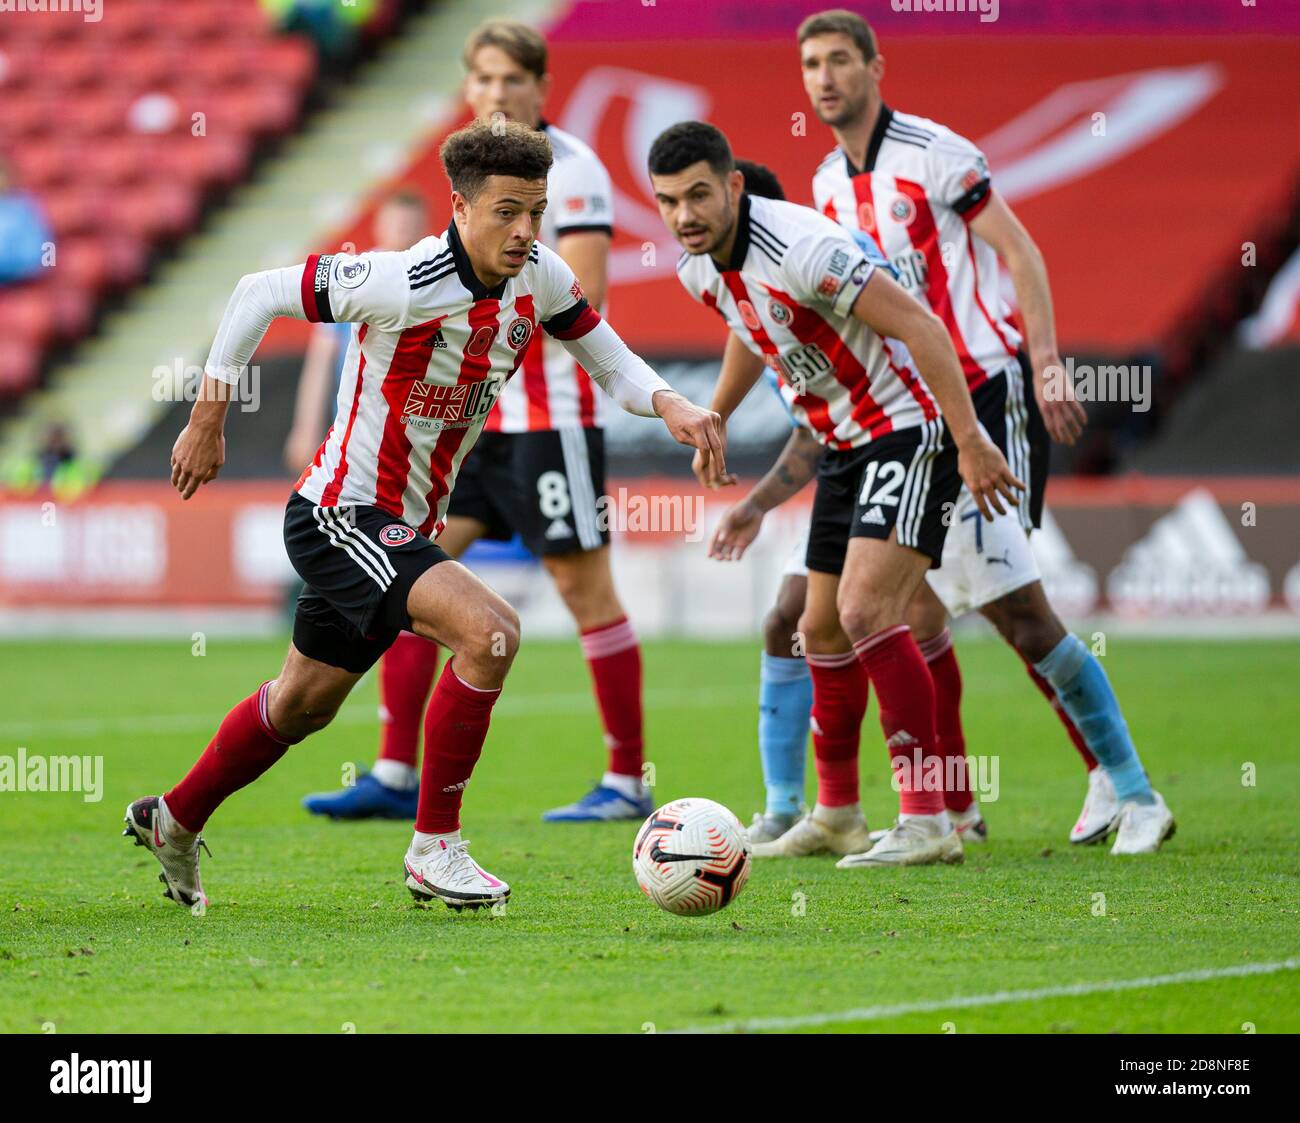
[(838, 818), (396, 775), (423, 843), (172, 831), (629, 786), (937, 825)]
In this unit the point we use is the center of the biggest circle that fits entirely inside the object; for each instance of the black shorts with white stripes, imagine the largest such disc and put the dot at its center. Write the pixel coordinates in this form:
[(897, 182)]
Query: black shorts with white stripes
[(543, 486), (1008, 410), (359, 564), (905, 481)]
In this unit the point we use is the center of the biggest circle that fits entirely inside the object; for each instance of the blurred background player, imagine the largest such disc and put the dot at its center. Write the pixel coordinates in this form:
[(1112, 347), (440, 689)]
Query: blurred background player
[(801, 295), (391, 789), (539, 467), (917, 188)]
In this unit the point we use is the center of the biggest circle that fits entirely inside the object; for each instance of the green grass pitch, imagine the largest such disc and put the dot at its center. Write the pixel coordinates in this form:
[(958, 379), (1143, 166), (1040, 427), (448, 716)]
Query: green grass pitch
[(310, 928)]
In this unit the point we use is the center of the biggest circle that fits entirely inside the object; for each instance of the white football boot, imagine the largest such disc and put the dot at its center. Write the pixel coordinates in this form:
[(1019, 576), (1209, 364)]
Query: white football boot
[(1100, 814), (447, 873), (179, 861), (768, 827), (812, 835), (910, 842), (970, 825), (1143, 827)]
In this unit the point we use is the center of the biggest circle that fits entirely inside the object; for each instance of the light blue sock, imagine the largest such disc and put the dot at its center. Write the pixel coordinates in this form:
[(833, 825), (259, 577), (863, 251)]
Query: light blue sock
[(1086, 695), (785, 700)]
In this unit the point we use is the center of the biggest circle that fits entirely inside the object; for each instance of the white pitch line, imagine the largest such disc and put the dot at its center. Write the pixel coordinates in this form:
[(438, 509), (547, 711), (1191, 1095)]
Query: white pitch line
[(360, 714), (997, 998)]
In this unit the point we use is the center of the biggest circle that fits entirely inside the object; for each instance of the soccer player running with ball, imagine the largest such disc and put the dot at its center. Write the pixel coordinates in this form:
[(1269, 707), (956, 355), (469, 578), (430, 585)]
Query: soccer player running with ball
[(359, 525), (916, 188), (866, 368), (538, 470)]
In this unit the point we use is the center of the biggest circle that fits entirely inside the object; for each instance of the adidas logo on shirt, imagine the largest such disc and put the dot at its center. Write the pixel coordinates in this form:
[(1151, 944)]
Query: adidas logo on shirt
[(874, 517), (557, 530)]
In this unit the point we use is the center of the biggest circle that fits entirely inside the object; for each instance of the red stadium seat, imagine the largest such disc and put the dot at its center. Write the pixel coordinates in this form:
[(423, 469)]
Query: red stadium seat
[(42, 163), (27, 312), (20, 367), (83, 262), (148, 63), (111, 163), (159, 209), (74, 310), (291, 61), (72, 210)]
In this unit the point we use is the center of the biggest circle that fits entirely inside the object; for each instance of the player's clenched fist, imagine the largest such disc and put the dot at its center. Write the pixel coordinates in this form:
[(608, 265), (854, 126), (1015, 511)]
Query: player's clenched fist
[(985, 473), (197, 457), (695, 426)]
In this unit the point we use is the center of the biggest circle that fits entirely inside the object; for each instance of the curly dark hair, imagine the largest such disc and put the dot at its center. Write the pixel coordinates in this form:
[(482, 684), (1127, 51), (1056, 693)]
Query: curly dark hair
[(686, 143), (496, 147), (760, 179)]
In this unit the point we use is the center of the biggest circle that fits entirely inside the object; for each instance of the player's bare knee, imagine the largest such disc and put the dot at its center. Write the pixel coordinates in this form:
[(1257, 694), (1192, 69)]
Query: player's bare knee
[(295, 710), (780, 631), (819, 633), (1036, 637), (492, 639), (861, 619), (1026, 621)]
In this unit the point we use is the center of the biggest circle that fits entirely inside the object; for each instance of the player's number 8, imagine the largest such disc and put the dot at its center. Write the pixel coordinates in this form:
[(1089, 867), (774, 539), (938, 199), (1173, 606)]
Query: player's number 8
[(553, 495)]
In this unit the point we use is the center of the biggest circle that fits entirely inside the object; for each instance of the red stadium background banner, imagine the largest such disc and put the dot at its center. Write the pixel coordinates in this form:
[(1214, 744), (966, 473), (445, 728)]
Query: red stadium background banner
[(1142, 173), (1144, 548)]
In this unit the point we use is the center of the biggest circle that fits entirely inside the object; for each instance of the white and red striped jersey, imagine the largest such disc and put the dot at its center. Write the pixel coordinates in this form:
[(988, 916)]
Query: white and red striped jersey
[(788, 293), (427, 363), (550, 391), (921, 184)]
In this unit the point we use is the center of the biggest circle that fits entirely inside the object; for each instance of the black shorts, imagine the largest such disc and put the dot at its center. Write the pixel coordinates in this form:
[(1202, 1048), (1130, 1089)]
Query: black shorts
[(905, 480), (1007, 408), (359, 564), (542, 486)]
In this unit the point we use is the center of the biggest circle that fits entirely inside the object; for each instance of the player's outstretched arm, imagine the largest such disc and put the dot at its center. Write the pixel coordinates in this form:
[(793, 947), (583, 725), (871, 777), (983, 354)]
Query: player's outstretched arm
[(331, 288), (628, 379), (741, 523), (741, 368), (998, 225), (887, 309)]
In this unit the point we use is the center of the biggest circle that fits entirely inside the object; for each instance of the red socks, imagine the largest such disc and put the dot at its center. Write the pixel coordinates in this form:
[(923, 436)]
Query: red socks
[(902, 681), (615, 661), (840, 689), (245, 746), (1076, 738), (454, 730), (405, 675), (946, 676)]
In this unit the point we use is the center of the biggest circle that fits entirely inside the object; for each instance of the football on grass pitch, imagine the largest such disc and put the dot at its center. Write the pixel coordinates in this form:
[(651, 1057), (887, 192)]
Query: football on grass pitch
[(691, 857)]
